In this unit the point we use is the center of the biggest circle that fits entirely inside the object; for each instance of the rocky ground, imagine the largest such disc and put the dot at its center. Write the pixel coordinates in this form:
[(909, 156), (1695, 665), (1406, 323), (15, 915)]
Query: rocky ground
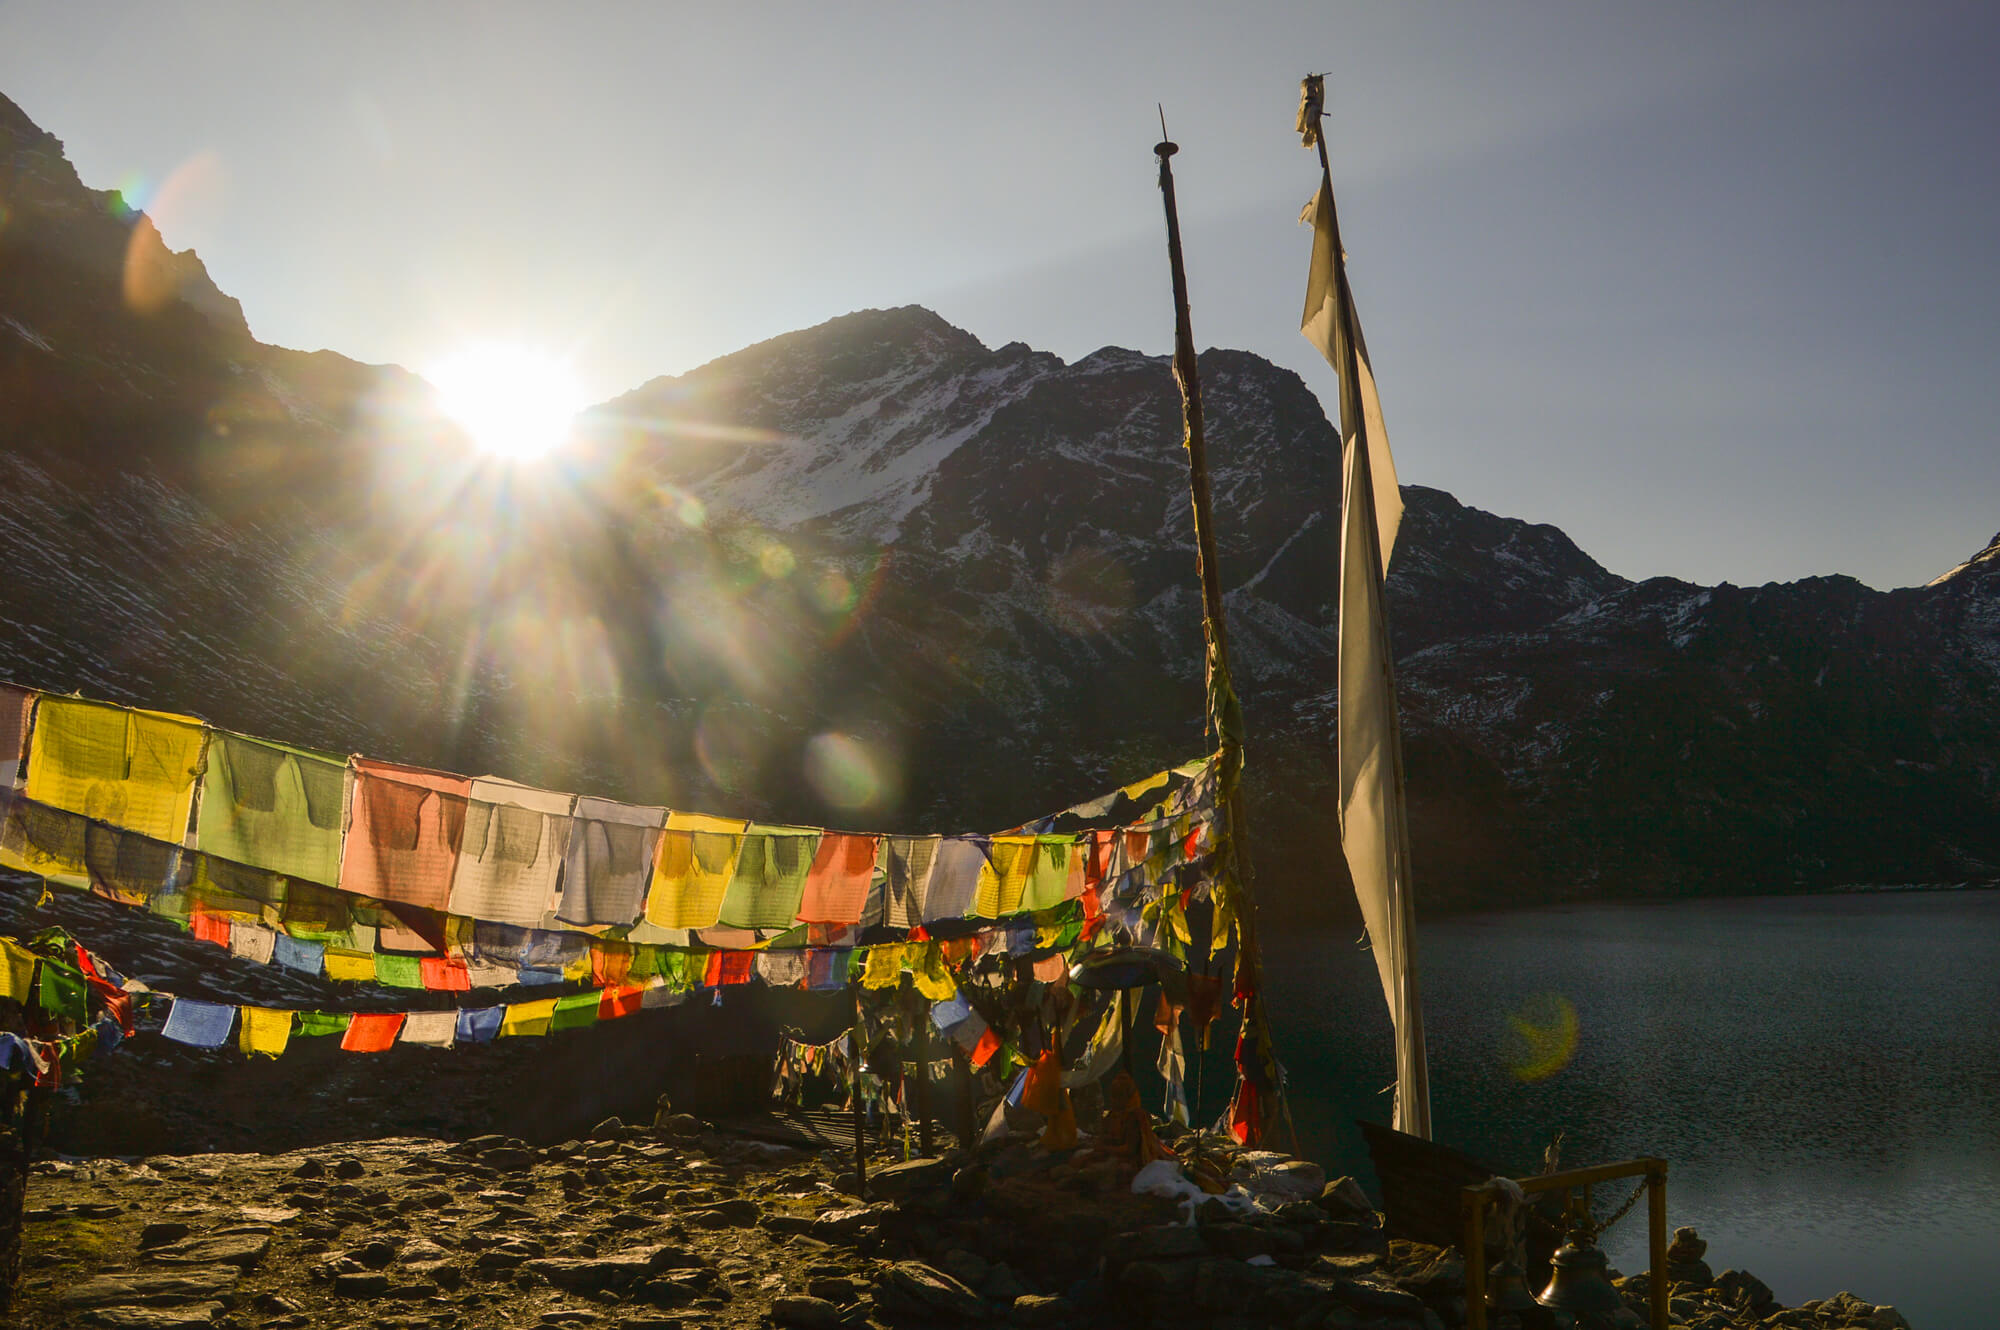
[(680, 1225)]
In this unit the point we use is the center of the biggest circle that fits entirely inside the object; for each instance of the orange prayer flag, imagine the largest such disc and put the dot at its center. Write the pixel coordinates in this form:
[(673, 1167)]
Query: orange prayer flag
[(619, 1000), (372, 1031), (988, 1045), (837, 882), (445, 974)]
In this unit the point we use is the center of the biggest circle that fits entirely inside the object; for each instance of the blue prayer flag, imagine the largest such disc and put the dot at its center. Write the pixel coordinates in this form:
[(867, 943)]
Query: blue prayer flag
[(477, 1025), (200, 1024)]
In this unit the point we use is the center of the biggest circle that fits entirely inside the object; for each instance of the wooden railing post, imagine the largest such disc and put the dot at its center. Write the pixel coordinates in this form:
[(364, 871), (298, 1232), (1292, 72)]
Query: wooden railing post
[(1475, 1258)]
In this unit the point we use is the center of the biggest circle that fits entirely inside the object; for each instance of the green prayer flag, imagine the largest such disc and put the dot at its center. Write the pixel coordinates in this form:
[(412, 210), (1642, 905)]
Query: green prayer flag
[(320, 1022), (62, 992), (574, 1011), (399, 971)]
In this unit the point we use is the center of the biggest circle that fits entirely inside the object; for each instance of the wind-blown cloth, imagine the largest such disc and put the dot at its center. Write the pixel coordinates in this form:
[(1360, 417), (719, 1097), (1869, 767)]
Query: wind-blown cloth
[(404, 835), (610, 861), (1373, 830), (132, 769), (271, 806), (513, 847)]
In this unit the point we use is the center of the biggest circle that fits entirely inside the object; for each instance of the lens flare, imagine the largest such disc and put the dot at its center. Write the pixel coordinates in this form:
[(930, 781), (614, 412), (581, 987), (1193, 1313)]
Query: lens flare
[(515, 404), (1540, 1038), (845, 773)]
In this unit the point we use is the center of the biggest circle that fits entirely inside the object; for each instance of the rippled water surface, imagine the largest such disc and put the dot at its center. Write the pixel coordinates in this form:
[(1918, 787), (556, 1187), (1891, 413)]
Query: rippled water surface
[(1822, 1074)]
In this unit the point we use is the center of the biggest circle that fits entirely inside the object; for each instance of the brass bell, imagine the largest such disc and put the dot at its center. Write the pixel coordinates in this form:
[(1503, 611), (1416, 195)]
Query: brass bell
[(1578, 1285), (1507, 1289)]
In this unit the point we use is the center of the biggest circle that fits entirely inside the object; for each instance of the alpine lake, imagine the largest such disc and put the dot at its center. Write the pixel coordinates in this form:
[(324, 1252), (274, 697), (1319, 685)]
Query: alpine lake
[(1822, 1074)]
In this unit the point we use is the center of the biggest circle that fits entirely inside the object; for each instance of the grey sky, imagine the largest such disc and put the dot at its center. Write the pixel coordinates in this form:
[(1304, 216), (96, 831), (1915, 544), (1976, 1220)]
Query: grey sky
[(1709, 286)]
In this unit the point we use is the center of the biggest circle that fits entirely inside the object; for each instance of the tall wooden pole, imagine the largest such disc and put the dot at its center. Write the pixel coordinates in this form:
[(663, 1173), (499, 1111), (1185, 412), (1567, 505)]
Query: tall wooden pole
[(854, 1055), (1215, 629)]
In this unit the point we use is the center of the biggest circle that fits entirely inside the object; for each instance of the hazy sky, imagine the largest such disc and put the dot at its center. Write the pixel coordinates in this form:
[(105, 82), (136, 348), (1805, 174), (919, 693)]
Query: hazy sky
[(1710, 286)]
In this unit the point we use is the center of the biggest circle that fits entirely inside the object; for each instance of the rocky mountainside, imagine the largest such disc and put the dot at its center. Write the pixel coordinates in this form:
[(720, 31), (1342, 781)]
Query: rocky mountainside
[(875, 573)]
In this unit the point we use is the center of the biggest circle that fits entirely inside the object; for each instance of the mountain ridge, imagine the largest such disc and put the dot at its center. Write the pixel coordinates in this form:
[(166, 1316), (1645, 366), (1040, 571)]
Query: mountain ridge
[(965, 572)]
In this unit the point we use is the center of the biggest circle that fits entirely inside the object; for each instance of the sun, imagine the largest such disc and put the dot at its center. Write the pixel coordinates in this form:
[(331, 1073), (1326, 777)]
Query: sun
[(513, 402)]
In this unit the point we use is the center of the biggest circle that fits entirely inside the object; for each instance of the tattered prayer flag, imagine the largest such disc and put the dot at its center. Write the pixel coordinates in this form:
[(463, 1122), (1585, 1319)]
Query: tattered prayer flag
[(826, 968), (60, 992), (372, 1031), (837, 884), (928, 972), (477, 1025), (445, 974), (620, 1000), (432, 1029), (271, 806), (696, 859), (609, 862), (528, 1018), (405, 827), (264, 1030), (1048, 880), (958, 871), (1052, 969), (132, 769), (513, 847), (770, 877), (1000, 892), (610, 963), (737, 967), (199, 1024), (314, 1023), (17, 971), (885, 966), (342, 964), (988, 1045), (950, 1012)]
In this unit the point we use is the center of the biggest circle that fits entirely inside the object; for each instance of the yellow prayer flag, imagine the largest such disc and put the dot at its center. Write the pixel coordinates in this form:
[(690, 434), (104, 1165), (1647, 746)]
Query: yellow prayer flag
[(691, 871), (17, 972), (263, 1030), (928, 972), (885, 966), (132, 769), (1001, 889), (349, 964), (528, 1017)]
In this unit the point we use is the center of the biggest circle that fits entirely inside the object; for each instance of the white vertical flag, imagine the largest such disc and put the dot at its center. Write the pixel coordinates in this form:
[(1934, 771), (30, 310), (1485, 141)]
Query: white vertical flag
[(1372, 829)]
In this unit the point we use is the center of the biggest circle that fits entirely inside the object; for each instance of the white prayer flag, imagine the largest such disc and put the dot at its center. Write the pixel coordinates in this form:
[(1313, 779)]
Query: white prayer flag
[(1373, 833)]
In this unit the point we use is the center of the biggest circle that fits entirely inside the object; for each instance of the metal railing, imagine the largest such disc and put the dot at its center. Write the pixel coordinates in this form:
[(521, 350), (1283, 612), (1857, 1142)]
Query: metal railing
[(1474, 1200)]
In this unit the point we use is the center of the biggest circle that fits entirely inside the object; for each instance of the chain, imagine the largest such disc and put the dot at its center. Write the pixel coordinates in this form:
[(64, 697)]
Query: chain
[(1584, 1224)]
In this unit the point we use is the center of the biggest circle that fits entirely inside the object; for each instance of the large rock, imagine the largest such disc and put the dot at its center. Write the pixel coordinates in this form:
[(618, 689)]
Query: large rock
[(163, 1289), (1343, 1199), (848, 1226), (591, 1274), (1369, 1295), (1740, 1288), (152, 1318), (243, 1247), (912, 1175), (913, 1289), (805, 1313)]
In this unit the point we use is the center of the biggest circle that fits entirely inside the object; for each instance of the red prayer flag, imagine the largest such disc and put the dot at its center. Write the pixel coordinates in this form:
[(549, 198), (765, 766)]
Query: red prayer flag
[(988, 1045), (372, 1031), (619, 1000), (210, 927), (737, 966), (445, 974)]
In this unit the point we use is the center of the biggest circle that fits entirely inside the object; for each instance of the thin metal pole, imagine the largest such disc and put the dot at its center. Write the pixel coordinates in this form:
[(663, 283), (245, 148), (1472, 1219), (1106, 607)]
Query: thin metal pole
[(854, 1054), (1656, 1241), (1215, 628), (920, 1010)]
